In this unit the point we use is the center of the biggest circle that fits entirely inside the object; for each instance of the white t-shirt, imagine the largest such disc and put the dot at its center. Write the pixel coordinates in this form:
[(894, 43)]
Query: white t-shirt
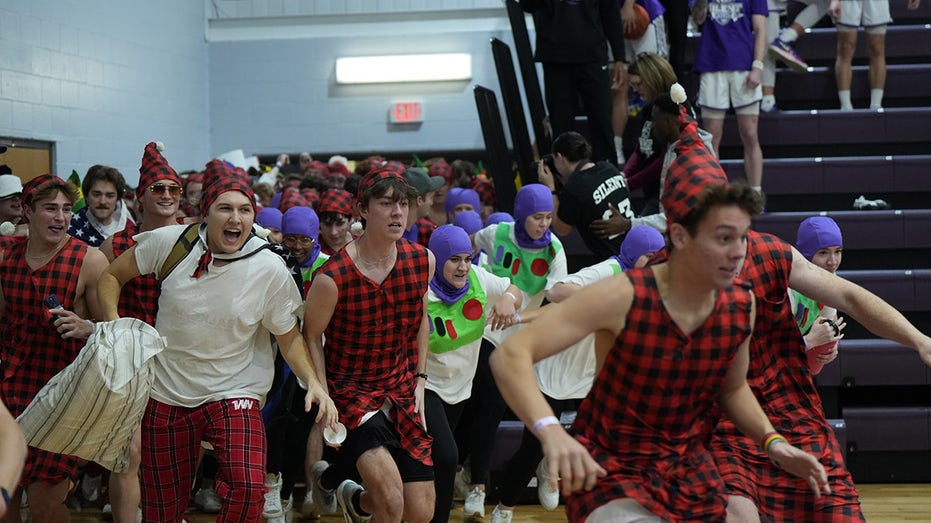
[(217, 326), (485, 240), (570, 374), (451, 373)]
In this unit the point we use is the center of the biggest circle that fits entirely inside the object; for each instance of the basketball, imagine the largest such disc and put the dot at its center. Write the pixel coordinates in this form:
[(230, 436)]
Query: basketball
[(641, 23)]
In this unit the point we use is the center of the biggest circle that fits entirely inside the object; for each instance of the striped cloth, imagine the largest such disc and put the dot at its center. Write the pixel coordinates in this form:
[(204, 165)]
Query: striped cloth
[(94, 405)]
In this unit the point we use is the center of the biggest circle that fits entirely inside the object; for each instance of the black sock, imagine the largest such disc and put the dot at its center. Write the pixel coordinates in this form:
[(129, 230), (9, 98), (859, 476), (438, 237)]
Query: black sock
[(357, 504)]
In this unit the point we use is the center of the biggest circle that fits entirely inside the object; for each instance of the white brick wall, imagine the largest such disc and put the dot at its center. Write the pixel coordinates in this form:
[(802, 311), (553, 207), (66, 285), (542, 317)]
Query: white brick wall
[(101, 79)]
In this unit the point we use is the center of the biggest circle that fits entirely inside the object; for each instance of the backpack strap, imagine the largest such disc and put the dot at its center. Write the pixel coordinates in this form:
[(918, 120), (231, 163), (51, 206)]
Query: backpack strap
[(181, 249)]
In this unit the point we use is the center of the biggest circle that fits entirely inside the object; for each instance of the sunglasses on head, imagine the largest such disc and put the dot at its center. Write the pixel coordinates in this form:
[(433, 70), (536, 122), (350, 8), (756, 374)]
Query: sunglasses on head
[(174, 190)]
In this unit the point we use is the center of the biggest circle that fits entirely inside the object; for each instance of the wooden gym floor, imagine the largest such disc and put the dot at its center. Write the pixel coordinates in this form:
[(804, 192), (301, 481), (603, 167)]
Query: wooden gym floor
[(882, 503)]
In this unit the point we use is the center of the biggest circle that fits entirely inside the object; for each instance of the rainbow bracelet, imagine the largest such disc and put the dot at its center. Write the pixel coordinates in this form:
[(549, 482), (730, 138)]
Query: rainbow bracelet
[(769, 438)]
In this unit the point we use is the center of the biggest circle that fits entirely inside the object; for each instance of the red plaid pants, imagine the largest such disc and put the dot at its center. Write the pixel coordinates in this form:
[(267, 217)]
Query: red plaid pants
[(171, 439)]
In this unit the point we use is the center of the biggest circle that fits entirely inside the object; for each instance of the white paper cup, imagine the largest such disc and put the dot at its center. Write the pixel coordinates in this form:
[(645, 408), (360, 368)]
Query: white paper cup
[(335, 437)]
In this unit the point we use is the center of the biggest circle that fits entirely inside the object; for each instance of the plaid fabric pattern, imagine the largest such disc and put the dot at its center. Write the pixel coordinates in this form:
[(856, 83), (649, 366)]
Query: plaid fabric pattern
[(291, 197), (371, 343), (139, 297), (780, 378), (694, 168), (335, 200), (171, 439), (34, 184), (486, 190), (378, 174), (425, 228), (30, 348), (651, 410), (221, 177), (317, 165), (442, 168), (154, 167)]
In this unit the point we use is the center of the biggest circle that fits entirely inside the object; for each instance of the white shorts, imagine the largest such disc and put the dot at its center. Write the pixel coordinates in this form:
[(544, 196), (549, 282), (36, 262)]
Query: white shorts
[(623, 510), (652, 41), (722, 90), (866, 13), (776, 6)]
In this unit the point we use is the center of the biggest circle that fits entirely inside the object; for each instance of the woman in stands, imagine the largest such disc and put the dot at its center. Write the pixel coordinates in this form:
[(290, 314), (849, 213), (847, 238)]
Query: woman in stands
[(460, 300), (820, 241)]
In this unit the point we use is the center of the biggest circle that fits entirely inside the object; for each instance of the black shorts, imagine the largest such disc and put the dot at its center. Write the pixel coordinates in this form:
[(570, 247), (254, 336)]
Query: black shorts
[(379, 431)]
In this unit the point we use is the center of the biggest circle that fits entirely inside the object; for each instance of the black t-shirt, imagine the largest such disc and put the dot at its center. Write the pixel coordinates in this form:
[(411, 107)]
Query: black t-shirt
[(585, 198)]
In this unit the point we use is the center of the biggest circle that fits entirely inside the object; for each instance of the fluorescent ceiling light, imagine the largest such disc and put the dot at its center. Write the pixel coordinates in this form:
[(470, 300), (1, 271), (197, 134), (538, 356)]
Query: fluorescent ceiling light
[(404, 68)]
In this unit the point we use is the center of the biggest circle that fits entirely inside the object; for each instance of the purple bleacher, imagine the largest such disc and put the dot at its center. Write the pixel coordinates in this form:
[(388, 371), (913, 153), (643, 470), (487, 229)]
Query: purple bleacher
[(897, 287), (874, 362), (796, 89), (888, 428), (922, 287), (893, 229)]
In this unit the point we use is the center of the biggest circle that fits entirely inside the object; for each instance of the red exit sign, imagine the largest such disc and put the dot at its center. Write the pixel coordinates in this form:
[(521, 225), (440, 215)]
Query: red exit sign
[(406, 112)]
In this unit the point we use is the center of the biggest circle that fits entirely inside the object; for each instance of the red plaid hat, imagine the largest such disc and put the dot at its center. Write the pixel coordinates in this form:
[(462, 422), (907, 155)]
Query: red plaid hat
[(694, 168), (317, 165), (221, 177), (291, 197), (310, 196), (194, 178), (378, 174), (339, 168), (390, 165), (33, 185), (442, 168), (335, 200), (486, 190), (154, 168)]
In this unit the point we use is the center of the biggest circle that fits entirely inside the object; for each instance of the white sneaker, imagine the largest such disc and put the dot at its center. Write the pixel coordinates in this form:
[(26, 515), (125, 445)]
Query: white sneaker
[(207, 500), (272, 496), (318, 501), (499, 515), (461, 484), (549, 498), (286, 515), (90, 487), (474, 504)]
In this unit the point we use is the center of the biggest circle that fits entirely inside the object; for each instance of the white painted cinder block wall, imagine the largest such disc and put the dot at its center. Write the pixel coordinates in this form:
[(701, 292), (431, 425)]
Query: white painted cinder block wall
[(102, 78)]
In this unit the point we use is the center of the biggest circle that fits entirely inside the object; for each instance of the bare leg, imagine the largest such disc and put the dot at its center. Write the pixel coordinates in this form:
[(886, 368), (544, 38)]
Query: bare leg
[(124, 487), (753, 155), (846, 45), (384, 490), (741, 510), (715, 126), (876, 43), (47, 502)]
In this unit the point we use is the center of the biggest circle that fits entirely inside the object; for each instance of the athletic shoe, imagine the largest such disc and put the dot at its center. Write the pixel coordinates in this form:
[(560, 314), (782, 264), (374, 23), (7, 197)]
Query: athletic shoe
[(771, 110), (499, 515), (90, 487), (208, 501), (286, 515), (461, 484), (344, 494), (863, 204), (785, 52), (272, 507), (318, 500), (549, 498), (474, 504)]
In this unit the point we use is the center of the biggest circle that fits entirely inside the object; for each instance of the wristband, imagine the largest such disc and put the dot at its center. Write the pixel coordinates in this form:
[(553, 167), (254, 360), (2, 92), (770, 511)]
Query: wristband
[(542, 423), (772, 437), (508, 293), (421, 375), (757, 64)]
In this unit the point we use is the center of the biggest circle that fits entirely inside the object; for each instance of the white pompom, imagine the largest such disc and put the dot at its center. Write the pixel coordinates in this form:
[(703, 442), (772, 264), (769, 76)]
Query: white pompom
[(356, 228), (677, 93), (7, 229), (160, 146)]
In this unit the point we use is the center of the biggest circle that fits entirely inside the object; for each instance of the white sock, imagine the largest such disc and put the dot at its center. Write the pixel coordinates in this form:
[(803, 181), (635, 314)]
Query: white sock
[(845, 104), (788, 35), (876, 98), (769, 101), (619, 149), (757, 188)]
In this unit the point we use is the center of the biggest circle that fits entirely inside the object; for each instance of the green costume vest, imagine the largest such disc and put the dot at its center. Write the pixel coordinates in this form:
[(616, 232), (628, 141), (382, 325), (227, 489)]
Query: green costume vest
[(460, 323), (527, 270), (806, 312)]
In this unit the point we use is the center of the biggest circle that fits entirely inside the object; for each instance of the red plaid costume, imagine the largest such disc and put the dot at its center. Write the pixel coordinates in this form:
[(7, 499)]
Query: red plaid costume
[(694, 168), (170, 448), (32, 351), (335, 200), (139, 297), (371, 343), (485, 189), (425, 228), (780, 378), (651, 410)]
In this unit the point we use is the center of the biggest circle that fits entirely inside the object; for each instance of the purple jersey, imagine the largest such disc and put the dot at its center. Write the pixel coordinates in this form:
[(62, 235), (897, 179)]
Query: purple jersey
[(726, 42)]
